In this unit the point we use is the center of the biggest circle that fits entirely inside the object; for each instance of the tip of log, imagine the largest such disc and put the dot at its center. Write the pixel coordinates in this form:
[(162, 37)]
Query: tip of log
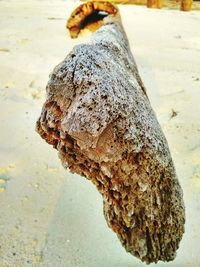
[(89, 14)]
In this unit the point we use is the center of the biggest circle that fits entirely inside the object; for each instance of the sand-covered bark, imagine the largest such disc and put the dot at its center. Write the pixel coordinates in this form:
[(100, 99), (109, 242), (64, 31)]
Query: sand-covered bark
[(98, 116)]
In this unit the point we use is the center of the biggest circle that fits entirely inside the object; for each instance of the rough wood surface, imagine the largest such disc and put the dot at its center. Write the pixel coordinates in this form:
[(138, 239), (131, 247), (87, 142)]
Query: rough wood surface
[(99, 118)]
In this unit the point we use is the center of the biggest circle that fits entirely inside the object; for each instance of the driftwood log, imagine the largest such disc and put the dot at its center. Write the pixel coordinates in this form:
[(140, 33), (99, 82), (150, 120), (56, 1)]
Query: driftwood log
[(99, 118)]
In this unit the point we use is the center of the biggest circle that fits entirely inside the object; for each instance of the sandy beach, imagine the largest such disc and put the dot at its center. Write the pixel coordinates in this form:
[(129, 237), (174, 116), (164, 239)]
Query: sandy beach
[(50, 217)]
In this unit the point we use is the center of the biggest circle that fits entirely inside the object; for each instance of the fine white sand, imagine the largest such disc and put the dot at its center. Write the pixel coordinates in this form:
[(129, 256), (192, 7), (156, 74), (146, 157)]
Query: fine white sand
[(50, 217)]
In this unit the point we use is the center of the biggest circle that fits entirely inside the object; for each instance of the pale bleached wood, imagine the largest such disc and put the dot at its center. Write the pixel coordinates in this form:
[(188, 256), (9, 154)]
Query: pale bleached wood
[(99, 118)]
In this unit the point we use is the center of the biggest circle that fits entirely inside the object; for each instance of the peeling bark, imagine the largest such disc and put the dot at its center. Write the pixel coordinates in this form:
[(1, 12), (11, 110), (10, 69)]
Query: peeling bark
[(99, 118)]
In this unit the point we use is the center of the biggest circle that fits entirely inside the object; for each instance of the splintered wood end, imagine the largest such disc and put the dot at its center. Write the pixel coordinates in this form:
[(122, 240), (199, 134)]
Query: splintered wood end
[(89, 14)]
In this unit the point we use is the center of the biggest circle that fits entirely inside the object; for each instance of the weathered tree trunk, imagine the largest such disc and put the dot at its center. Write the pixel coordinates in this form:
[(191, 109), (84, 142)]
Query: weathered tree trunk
[(186, 5), (155, 3), (99, 118)]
